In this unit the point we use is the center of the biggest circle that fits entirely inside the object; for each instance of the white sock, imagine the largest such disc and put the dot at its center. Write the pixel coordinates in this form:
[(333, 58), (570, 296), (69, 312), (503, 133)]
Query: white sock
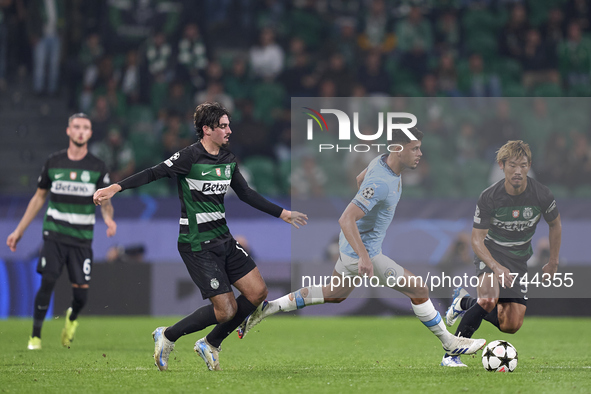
[(297, 300), (432, 320)]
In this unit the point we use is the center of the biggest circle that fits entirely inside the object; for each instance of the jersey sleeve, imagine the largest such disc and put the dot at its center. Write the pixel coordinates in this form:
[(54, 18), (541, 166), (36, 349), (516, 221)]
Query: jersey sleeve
[(549, 205), (104, 178), (251, 197), (369, 194), (483, 212), (178, 164), (44, 182)]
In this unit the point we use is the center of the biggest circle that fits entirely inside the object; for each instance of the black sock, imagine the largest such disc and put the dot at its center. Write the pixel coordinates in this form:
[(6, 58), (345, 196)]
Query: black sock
[(467, 303), (80, 297), (493, 318), (196, 321), (471, 321), (221, 331), (41, 306)]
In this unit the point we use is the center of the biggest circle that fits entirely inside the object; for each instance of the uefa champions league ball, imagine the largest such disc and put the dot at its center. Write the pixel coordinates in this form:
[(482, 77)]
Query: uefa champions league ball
[(499, 356)]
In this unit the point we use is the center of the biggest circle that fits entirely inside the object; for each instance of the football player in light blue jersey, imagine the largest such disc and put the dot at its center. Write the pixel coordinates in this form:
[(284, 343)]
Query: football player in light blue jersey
[(363, 228), (377, 198)]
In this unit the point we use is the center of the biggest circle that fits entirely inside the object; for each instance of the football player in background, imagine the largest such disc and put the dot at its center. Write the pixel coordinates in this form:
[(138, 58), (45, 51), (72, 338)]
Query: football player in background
[(505, 221), (70, 178)]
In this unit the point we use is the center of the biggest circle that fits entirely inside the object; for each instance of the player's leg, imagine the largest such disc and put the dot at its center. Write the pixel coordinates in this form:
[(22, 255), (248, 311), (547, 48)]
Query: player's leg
[(338, 290), (222, 307), (335, 293), (253, 292), (509, 312), (462, 301), (206, 271), (510, 315), (393, 275), (79, 265), (50, 265), (398, 278), (243, 273), (488, 296)]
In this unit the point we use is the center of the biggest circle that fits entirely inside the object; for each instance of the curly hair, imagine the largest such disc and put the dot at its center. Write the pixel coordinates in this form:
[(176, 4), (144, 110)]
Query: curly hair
[(208, 114)]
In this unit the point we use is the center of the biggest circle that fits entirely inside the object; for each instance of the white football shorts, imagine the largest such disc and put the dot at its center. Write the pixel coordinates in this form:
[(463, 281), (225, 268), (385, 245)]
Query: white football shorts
[(383, 267)]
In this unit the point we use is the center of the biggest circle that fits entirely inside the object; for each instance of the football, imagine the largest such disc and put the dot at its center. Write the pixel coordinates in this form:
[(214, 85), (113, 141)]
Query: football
[(499, 356)]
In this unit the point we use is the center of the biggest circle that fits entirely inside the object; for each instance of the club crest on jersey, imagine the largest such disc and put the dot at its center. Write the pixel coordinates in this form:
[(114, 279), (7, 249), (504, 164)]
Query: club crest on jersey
[(214, 284), (218, 172), (390, 272), (368, 192), (85, 177), (73, 175), (516, 213), (528, 213), (228, 171)]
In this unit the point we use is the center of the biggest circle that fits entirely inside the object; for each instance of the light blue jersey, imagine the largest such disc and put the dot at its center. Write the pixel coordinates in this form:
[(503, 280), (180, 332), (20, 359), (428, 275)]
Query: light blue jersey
[(377, 197)]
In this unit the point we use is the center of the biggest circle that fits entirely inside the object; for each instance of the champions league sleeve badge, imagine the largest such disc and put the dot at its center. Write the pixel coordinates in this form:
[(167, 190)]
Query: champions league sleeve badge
[(368, 193)]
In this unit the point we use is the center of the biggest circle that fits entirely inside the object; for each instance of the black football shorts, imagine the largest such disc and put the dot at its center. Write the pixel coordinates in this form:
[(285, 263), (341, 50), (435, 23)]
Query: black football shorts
[(55, 255), (215, 270)]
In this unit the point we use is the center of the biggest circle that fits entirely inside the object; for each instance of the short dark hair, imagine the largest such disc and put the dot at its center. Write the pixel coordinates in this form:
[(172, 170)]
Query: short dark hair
[(81, 115), (399, 137), (208, 114)]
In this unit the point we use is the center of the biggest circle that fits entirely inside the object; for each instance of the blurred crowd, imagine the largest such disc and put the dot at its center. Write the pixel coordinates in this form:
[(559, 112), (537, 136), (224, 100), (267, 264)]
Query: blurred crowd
[(139, 67)]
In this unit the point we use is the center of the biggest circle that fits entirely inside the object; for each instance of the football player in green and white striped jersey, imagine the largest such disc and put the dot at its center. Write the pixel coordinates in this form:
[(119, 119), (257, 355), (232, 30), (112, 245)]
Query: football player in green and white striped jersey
[(69, 178), (215, 261)]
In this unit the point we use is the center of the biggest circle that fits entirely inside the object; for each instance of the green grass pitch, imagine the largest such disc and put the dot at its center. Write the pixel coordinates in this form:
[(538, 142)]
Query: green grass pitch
[(287, 354)]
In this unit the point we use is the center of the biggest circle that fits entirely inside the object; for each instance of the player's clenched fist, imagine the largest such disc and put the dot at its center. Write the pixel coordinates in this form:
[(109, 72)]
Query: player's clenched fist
[(105, 193)]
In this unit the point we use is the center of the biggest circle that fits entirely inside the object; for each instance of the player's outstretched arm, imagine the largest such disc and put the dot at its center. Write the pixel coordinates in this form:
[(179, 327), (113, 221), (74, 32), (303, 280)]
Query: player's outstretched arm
[(105, 193), (555, 238), (294, 218), (108, 212), (33, 209)]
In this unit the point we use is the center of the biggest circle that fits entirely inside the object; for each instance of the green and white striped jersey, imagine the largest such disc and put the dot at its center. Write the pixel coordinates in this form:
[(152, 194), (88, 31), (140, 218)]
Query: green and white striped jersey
[(203, 180), (70, 213), (512, 220)]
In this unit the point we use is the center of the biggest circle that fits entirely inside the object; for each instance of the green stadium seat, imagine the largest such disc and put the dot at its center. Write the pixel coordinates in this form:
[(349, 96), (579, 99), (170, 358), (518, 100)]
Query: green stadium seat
[(268, 97), (580, 91), (284, 176), (158, 94), (509, 70), (264, 174), (140, 113), (483, 43), (433, 147), (407, 88), (514, 89), (474, 175), (444, 177), (547, 90), (409, 192), (582, 191), (559, 191), (146, 149), (476, 20), (538, 10)]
